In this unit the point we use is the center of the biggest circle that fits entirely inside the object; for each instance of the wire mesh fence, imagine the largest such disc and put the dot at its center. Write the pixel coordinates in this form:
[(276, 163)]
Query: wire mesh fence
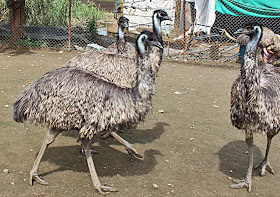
[(46, 25)]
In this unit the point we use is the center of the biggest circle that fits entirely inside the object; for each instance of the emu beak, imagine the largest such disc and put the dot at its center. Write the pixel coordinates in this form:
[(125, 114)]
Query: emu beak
[(243, 31), (167, 18), (125, 25), (157, 44)]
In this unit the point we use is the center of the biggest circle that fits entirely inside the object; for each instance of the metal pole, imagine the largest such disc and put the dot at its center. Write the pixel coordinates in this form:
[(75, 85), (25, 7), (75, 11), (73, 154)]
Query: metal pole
[(184, 10), (69, 28)]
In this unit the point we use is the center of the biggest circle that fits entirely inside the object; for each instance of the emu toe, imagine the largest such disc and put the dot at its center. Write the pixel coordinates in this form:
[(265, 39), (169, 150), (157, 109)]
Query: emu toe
[(38, 179), (242, 184), (133, 153), (102, 189), (264, 166)]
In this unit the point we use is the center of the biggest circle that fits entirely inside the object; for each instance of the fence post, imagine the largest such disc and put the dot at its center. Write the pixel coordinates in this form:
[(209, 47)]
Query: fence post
[(69, 28), (184, 10)]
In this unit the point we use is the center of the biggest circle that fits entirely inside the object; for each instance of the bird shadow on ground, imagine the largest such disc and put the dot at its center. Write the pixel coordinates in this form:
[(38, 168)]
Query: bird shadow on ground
[(109, 161), (132, 135), (234, 160)]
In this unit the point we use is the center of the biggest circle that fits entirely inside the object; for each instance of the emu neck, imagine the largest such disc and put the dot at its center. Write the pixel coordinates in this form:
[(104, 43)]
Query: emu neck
[(250, 70), (157, 28), (121, 33), (145, 83)]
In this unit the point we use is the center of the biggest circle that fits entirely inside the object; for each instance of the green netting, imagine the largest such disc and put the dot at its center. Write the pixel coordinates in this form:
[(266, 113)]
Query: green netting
[(257, 8)]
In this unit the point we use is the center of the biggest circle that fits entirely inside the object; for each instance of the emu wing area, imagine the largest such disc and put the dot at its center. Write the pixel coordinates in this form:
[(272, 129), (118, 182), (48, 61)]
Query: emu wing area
[(118, 69), (69, 98), (264, 115)]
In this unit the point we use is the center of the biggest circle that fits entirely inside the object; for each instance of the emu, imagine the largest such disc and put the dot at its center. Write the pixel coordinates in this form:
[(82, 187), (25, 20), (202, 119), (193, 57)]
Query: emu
[(122, 73), (269, 40), (121, 46), (74, 98), (255, 101)]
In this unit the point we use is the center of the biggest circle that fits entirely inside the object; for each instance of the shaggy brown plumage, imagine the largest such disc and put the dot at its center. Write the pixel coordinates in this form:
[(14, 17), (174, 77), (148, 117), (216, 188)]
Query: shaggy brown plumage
[(75, 98), (255, 101), (119, 69)]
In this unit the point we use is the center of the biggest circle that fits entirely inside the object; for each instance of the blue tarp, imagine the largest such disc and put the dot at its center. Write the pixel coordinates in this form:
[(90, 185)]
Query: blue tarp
[(257, 8)]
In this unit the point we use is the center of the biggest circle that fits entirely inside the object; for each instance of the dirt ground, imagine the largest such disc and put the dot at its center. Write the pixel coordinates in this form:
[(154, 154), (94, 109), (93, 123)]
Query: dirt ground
[(188, 145)]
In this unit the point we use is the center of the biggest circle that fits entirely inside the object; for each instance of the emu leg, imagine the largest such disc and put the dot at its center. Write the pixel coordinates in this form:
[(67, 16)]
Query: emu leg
[(86, 144), (265, 165), (248, 180), (50, 137), (106, 134), (132, 151)]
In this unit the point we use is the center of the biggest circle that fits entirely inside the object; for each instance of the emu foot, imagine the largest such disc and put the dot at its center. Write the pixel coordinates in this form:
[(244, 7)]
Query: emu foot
[(91, 151), (133, 153), (241, 184), (102, 189), (264, 166), (37, 178)]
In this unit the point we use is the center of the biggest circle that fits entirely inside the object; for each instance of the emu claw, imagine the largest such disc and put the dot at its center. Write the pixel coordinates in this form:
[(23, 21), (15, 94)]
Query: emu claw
[(38, 179), (102, 189), (133, 153), (241, 184), (264, 166)]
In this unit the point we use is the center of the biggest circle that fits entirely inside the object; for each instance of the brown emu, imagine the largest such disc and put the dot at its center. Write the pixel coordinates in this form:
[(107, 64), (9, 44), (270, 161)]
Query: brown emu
[(122, 73), (74, 98), (255, 101), (121, 46)]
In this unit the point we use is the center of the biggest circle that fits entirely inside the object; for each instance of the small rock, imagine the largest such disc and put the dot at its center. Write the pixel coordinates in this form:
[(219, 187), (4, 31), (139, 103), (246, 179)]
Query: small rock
[(177, 92), (192, 127), (215, 106), (12, 182), (5, 171), (169, 184), (246, 152), (192, 138), (6, 105), (160, 111), (60, 52), (155, 186), (166, 161), (231, 171), (230, 178)]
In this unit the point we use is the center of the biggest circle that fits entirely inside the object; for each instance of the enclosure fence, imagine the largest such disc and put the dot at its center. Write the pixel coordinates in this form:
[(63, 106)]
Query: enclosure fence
[(46, 25)]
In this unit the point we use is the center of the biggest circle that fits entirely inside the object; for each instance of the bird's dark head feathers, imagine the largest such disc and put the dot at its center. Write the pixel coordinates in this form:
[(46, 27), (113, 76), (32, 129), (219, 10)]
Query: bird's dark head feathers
[(123, 21), (162, 15)]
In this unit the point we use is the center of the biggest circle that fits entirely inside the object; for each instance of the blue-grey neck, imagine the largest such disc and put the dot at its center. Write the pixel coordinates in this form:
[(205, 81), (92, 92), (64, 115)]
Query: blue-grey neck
[(121, 32), (157, 28), (250, 70), (140, 45), (252, 46)]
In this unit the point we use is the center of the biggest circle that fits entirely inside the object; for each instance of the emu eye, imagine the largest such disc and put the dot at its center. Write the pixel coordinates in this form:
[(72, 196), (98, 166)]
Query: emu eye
[(150, 39), (249, 28), (163, 14)]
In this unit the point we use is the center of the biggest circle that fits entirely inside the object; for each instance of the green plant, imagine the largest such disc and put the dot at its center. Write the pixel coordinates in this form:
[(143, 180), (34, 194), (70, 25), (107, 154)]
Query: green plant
[(55, 12), (31, 43)]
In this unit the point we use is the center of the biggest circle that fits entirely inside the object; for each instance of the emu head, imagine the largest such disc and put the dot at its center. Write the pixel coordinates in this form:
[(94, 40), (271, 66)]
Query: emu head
[(145, 40), (161, 15), (251, 29), (123, 21)]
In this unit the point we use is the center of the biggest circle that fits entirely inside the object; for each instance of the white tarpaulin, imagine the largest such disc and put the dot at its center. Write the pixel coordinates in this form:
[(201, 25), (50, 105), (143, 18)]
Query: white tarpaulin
[(140, 12), (205, 15)]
